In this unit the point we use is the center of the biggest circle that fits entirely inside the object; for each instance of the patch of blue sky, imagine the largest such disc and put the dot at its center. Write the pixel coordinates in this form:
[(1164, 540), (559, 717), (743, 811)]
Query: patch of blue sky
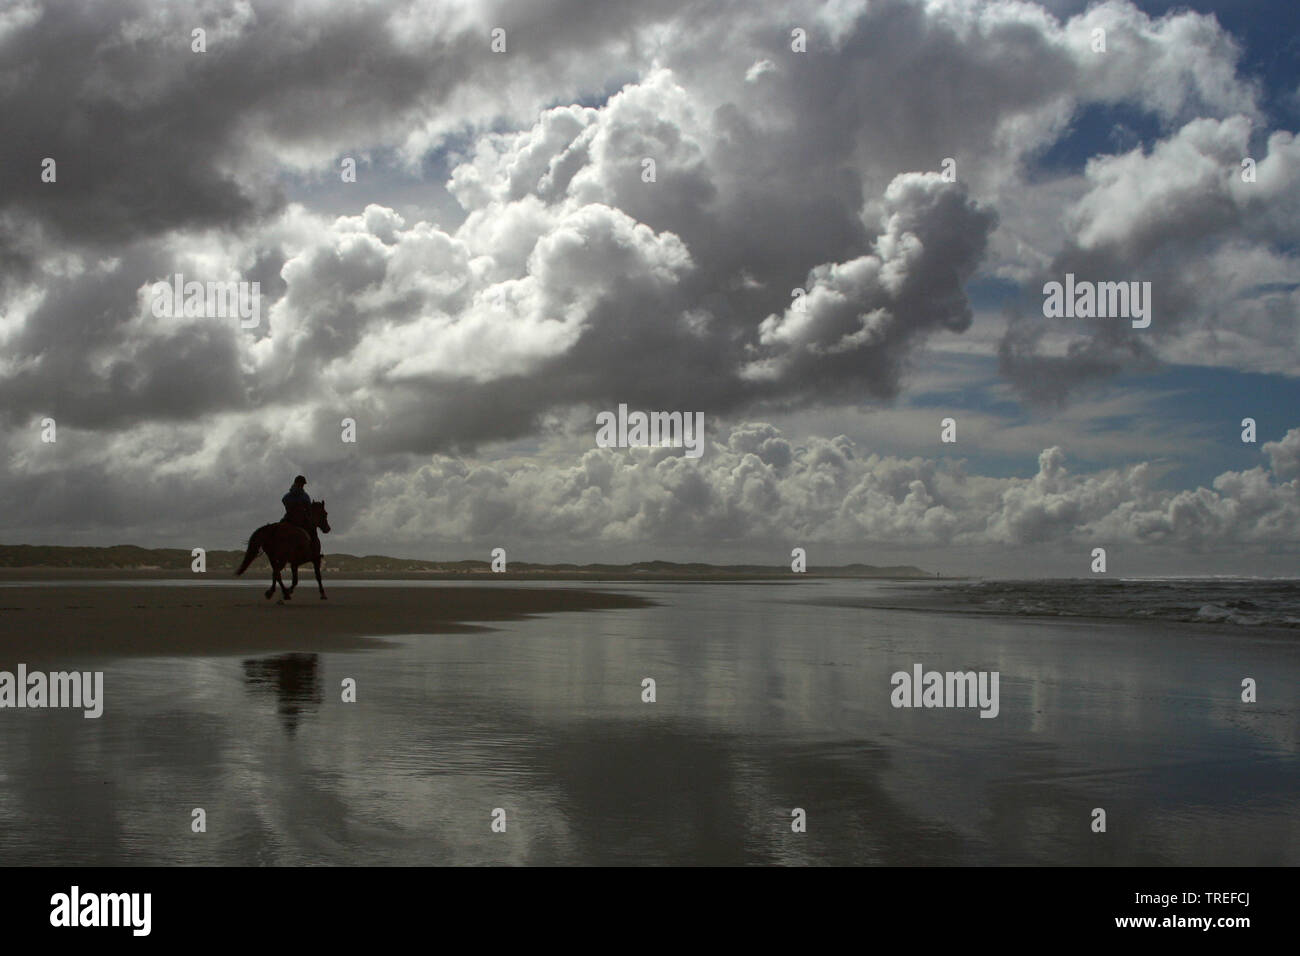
[(1098, 129), (1269, 36), (1188, 416), (989, 293)]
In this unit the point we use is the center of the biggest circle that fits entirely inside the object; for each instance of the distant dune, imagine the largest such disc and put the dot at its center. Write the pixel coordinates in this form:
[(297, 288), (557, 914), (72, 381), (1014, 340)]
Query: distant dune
[(129, 558)]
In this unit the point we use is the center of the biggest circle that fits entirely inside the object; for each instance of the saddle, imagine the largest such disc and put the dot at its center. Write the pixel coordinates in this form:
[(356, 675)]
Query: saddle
[(300, 517)]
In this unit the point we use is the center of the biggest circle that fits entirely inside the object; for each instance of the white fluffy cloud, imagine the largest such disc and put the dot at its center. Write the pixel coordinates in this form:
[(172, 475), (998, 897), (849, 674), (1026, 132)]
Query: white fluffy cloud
[(756, 487), (1215, 240)]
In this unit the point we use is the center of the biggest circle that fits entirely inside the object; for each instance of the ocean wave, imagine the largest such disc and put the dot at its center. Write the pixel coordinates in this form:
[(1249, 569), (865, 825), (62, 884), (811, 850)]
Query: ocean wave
[(1234, 602)]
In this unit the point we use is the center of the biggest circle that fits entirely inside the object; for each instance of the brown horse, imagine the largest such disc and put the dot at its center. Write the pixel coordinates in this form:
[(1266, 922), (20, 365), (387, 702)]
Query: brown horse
[(286, 543)]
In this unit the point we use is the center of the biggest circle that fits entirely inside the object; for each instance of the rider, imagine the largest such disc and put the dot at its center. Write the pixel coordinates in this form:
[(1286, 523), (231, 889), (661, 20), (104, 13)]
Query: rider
[(297, 507)]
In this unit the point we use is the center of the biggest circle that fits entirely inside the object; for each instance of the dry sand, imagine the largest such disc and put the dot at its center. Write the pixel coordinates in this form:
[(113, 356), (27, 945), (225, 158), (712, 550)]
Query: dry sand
[(44, 623)]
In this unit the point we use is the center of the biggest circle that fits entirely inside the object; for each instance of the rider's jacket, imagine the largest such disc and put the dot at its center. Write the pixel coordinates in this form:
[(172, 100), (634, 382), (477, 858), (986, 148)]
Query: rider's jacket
[(295, 496)]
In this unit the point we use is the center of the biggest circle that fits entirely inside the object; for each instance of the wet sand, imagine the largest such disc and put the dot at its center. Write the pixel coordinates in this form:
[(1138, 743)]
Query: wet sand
[(463, 577), (45, 623), (765, 703)]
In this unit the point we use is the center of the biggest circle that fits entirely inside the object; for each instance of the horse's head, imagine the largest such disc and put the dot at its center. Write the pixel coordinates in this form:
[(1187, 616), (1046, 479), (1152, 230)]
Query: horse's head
[(319, 516)]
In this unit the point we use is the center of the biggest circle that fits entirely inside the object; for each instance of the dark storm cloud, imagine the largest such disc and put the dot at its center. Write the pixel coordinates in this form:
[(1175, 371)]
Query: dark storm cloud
[(150, 136)]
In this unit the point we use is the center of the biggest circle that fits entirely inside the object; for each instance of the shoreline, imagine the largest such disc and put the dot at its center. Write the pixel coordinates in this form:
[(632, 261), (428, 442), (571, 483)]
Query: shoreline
[(1195, 629), (70, 622), (171, 574)]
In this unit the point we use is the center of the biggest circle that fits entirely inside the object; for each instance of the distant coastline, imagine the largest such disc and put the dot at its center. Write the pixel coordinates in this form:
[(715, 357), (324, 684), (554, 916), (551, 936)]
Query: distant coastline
[(25, 561)]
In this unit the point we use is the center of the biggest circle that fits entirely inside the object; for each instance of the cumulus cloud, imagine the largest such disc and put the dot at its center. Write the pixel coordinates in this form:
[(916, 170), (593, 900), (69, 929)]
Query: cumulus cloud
[(857, 319), (755, 486), (549, 292), (1217, 247)]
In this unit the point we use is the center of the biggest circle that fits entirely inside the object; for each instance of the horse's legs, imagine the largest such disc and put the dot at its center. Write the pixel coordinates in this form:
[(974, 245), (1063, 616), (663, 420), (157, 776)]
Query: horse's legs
[(276, 569), (294, 586), (275, 575), (315, 563)]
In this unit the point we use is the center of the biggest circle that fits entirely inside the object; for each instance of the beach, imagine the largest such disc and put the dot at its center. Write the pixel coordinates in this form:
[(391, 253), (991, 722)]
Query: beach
[(531, 699), (184, 619)]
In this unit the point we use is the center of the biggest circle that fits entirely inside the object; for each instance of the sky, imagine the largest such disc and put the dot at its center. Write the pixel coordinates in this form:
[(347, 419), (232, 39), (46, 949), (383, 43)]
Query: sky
[(561, 208)]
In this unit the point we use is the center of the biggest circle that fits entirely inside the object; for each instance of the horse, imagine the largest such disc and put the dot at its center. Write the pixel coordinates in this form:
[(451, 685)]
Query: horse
[(286, 543)]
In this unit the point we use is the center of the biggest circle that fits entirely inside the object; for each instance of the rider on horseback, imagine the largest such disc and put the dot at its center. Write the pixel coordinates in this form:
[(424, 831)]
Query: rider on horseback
[(292, 540), (297, 509)]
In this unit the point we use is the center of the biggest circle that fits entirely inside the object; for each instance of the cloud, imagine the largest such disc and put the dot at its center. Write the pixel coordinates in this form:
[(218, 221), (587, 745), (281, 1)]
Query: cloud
[(1217, 249), (859, 318), (549, 294), (754, 486), (765, 186), (574, 279)]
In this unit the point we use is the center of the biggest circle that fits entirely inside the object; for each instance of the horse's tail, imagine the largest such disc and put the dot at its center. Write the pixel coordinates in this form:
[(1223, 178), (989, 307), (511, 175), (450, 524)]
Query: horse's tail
[(254, 546)]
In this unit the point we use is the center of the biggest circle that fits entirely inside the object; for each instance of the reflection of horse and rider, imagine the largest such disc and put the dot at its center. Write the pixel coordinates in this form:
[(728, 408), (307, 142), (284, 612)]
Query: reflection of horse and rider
[(292, 540)]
